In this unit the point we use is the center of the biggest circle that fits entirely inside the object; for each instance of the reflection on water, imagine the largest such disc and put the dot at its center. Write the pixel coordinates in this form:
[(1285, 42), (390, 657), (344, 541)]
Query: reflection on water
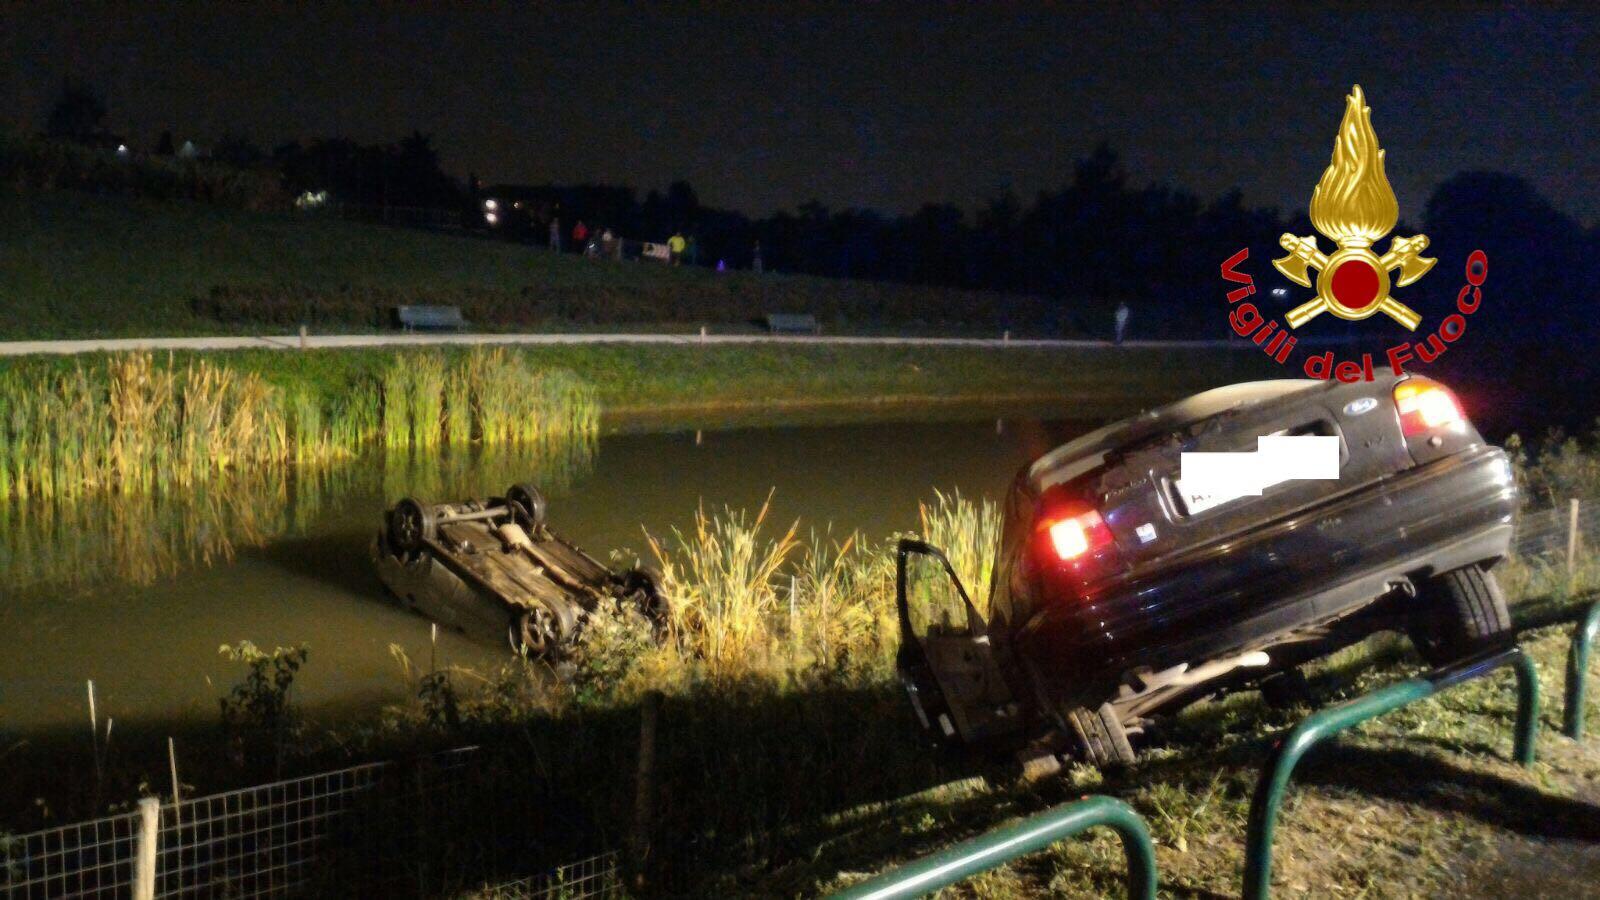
[(138, 595), (141, 538)]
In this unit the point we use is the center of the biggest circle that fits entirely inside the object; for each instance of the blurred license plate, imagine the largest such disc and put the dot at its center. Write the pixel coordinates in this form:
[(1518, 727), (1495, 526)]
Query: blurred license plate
[(1196, 502)]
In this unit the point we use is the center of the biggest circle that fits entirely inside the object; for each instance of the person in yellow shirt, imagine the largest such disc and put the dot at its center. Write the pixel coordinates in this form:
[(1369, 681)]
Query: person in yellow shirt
[(675, 245)]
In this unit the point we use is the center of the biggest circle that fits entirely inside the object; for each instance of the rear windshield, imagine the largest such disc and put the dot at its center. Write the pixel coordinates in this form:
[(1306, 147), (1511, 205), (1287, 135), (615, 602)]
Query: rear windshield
[(1087, 452)]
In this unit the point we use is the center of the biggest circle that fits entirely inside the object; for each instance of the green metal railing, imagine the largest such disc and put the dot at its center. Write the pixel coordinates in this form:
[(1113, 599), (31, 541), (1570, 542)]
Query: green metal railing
[(1578, 670), (1002, 845), (1319, 726)]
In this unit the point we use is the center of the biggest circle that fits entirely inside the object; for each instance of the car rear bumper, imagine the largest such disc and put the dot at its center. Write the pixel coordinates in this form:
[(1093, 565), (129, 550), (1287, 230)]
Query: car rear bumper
[(1319, 564)]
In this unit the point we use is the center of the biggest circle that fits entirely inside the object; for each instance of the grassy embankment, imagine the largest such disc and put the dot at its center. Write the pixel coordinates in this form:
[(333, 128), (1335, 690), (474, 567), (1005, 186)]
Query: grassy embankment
[(79, 265)]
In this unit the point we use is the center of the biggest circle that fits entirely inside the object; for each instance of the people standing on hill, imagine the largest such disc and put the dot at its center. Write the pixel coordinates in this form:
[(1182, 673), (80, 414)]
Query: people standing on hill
[(580, 235), (555, 234), (755, 261), (1122, 319), (675, 246), (608, 244)]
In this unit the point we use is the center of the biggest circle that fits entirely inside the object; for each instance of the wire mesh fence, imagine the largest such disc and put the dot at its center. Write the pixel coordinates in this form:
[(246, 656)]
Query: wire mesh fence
[(387, 829), (256, 842), (1549, 531), (86, 859)]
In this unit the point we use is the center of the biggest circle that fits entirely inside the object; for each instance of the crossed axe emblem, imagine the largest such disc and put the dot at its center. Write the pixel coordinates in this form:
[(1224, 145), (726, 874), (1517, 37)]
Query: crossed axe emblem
[(1353, 282)]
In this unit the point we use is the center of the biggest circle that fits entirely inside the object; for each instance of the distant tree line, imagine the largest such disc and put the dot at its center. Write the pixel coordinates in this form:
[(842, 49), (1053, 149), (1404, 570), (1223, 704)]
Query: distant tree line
[(1094, 242)]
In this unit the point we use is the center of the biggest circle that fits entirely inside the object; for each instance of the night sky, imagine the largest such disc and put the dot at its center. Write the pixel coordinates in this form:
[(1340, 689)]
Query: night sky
[(883, 106)]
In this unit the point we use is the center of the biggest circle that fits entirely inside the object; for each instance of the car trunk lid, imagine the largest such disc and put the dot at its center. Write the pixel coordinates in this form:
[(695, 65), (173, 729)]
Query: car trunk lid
[(1151, 512)]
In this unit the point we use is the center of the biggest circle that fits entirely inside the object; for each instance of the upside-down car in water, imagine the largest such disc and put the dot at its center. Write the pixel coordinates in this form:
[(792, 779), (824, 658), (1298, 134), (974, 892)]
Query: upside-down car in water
[(1119, 595), (494, 569)]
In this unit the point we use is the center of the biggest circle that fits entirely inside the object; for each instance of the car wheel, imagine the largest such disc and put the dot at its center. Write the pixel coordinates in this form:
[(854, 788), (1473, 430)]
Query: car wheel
[(643, 585), (533, 633), (527, 507), (1101, 737), (1457, 613), (411, 525)]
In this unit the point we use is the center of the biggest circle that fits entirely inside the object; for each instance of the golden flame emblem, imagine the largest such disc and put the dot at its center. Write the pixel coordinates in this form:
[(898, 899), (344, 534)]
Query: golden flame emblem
[(1354, 206)]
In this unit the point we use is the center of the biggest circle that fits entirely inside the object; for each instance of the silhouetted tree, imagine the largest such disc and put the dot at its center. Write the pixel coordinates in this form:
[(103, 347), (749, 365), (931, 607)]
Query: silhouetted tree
[(236, 150), (403, 174), (78, 112), (1534, 335)]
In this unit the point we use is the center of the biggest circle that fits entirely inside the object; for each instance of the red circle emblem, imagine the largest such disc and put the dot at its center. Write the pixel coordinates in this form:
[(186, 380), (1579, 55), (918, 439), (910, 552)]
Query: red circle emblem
[(1355, 284)]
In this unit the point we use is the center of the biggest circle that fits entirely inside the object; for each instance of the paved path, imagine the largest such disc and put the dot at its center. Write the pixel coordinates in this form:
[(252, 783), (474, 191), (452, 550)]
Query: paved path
[(290, 342)]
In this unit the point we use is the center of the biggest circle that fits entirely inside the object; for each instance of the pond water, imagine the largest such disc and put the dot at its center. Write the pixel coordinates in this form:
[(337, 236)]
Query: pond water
[(138, 595)]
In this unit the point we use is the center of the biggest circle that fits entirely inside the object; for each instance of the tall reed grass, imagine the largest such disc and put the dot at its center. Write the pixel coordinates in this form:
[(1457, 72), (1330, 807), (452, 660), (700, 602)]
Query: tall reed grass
[(48, 546), (130, 424), (749, 600)]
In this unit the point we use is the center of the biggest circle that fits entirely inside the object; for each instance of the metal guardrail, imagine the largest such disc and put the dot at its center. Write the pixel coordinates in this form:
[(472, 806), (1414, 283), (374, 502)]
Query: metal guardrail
[(985, 852), (1578, 670), (1314, 729)]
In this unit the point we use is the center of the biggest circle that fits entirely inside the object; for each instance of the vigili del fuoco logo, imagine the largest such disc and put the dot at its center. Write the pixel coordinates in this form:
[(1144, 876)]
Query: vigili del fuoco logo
[(1354, 207)]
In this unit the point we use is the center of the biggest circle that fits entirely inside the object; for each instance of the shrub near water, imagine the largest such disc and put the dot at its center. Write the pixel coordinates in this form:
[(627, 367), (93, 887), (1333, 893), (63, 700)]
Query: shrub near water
[(125, 424)]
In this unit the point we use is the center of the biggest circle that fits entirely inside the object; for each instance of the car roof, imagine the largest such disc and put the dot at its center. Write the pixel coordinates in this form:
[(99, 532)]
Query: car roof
[(1086, 452)]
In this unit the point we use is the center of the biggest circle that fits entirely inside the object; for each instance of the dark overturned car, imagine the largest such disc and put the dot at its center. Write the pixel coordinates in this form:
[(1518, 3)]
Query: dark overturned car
[(1118, 596), (494, 569)]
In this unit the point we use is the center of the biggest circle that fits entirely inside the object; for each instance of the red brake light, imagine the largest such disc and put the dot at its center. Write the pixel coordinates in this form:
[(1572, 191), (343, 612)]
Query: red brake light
[(1424, 406), (1075, 535), (1072, 544)]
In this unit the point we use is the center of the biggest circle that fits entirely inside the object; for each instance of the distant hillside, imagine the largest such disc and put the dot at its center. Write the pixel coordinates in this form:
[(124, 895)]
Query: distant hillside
[(76, 264)]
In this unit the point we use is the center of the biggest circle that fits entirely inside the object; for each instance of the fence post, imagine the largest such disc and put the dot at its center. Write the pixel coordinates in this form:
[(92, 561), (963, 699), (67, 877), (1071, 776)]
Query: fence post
[(144, 859), (1572, 540), (644, 796)]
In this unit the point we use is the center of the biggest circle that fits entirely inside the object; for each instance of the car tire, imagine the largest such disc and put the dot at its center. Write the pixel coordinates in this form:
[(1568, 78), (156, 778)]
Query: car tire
[(527, 507), (412, 524), (643, 584), (1459, 612), (1101, 738)]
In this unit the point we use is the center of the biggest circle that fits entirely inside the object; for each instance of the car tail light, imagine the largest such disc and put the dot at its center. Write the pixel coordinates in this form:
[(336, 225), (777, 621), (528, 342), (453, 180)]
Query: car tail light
[(1073, 536), (1072, 539), (1425, 406)]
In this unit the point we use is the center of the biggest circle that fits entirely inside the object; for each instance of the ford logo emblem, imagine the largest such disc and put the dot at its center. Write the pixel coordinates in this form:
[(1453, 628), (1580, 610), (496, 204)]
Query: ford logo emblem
[(1359, 406)]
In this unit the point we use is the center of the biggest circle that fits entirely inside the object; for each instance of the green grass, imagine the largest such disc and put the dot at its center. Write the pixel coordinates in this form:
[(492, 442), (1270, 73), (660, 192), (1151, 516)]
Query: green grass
[(79, 265)]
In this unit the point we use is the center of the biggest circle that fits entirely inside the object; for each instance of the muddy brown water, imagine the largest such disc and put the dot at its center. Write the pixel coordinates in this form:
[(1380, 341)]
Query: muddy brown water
[(138, 595)]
